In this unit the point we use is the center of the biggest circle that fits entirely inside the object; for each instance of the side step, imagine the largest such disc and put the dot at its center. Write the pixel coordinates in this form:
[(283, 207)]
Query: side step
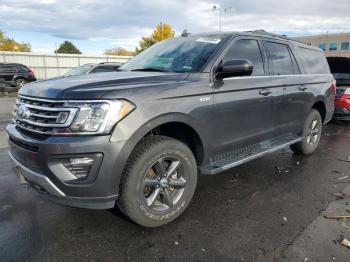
[(245, 154)]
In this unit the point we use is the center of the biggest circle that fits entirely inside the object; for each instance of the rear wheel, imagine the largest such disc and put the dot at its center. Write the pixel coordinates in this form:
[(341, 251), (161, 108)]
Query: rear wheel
[(20, 82), (311, 134), (158, 182)]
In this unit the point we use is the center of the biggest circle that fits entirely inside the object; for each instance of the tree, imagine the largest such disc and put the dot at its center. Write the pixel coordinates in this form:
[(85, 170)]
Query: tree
[(9, 44), (67, 47), (120, 51), (163, 31)]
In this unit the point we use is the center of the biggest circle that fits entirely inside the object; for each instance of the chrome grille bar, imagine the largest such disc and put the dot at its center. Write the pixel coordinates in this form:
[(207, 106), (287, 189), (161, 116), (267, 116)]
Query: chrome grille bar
[(40, 116)]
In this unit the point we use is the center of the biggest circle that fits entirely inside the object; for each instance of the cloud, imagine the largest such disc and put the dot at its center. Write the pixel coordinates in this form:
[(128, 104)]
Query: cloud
[(124, 22)]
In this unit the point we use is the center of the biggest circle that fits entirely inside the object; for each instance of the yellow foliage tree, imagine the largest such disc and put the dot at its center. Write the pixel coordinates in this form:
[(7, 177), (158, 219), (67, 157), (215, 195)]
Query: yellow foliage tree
[(9, 44), (163, 31), (119, 52)]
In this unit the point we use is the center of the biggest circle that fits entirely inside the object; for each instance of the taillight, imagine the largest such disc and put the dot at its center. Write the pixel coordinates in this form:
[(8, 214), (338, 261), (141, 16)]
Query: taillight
[(334, 87), (30, 72)]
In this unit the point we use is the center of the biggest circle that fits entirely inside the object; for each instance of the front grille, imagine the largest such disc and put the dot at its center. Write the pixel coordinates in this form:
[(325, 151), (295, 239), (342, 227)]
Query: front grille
[(42, 116)]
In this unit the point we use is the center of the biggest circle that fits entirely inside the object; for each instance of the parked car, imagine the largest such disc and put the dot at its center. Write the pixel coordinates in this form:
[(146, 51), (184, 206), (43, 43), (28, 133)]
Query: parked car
[(197, 104), (15, 74), (93, 68), (340, 67)]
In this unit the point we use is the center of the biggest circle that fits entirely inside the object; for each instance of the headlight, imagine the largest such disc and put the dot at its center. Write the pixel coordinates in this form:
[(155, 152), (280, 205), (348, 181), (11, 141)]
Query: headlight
[(97, 117), (347, 91)]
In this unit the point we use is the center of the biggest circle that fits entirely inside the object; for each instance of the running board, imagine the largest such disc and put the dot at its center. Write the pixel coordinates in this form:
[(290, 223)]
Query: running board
[(248, 153)]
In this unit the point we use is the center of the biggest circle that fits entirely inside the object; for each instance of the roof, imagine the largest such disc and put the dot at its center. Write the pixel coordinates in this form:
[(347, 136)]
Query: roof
[(258, 32), (9, 63)]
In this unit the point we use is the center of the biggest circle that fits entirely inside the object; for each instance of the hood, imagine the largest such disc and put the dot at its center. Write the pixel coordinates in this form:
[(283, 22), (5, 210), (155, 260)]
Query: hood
[(94, 86)]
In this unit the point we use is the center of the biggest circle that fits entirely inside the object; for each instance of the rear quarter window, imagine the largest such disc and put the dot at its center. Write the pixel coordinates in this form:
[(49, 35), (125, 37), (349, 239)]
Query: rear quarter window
[(315, 61)]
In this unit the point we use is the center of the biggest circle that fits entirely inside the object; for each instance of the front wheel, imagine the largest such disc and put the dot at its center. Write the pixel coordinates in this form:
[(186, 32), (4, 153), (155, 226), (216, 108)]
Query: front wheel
[(311, 134), (158, 182)]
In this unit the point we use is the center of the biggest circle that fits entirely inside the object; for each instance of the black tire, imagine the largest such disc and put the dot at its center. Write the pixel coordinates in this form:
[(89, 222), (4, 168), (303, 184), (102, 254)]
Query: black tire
[(170, 196), (19, 82), (311, 134)]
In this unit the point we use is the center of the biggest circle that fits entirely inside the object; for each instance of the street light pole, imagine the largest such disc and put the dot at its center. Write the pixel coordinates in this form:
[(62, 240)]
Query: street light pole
[(219, 8)]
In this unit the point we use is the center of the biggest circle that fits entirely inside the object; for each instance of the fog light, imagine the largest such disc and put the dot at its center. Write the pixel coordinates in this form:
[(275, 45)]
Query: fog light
[(85, 161), (79, 167)]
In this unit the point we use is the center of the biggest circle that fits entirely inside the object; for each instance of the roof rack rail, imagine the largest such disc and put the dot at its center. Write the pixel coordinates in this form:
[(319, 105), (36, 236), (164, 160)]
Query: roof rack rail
[(263, 32)]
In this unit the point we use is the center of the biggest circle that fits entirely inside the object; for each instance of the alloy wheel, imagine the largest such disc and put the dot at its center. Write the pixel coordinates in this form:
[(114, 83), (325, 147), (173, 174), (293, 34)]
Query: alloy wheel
[(164, 184)]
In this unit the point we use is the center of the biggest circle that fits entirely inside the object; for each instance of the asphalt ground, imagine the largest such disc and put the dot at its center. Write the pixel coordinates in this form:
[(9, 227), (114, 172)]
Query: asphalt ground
[(260, 211)]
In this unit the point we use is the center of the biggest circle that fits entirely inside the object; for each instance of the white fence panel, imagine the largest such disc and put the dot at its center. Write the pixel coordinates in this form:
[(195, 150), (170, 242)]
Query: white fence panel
[(52, 65)]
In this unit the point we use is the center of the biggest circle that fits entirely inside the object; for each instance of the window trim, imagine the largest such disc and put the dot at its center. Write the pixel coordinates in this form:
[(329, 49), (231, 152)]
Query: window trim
[(291, 55)]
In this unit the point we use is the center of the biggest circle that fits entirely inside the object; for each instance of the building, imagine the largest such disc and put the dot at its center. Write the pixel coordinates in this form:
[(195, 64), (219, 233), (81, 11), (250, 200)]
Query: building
[(335, 45)]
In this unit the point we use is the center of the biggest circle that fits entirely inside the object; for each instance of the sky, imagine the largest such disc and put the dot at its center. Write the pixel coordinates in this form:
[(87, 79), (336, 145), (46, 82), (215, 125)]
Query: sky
[(96, 25)]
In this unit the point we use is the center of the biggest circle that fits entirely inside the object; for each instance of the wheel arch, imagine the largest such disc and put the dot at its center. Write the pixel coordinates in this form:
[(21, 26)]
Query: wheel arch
[(320, 106), (176, 125)]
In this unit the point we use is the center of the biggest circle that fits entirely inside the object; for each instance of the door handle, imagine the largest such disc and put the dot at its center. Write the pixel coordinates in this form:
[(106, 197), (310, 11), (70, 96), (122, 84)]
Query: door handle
[(265, 92), (302, 88)]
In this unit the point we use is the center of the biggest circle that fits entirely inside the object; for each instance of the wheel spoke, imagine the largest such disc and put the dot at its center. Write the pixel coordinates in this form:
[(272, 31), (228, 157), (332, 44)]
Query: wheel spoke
[(152, 198), (308, 140), (167, 197), (172, 168), (151, 182), (158, 168), (314, 123), (177, 183)]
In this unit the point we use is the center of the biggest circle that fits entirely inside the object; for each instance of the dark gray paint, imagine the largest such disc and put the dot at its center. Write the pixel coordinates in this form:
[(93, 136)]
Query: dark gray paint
[(226, 114)]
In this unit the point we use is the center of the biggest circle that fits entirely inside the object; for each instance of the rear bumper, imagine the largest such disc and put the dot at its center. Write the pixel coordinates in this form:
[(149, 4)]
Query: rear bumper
[(39, 162), (341, 113)]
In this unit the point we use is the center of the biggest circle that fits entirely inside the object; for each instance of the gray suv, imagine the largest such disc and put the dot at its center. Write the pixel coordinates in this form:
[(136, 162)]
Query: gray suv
[(196, 104)]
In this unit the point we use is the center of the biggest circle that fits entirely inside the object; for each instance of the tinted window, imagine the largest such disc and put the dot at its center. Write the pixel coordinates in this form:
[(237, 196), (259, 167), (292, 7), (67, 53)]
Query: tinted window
[(101, 69), (315, 61), (280, 61), (333, 46), (7, 69), (247, 49), (344, 46), (80, 70), (22, 69), (180, 54)]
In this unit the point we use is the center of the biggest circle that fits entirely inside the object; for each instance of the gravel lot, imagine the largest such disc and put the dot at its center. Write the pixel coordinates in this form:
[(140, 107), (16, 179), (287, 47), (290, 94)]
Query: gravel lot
[(270, 209)]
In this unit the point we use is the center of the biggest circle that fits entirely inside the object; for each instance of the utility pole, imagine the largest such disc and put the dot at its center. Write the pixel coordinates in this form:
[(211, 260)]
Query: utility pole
[(161, 31)]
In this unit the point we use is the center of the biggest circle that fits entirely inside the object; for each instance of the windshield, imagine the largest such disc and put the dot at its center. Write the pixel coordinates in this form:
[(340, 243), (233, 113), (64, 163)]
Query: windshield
[(182, 54), (80, 70)]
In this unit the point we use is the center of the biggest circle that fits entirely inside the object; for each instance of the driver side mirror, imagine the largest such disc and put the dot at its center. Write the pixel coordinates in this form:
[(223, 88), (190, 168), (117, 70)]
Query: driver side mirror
[(236, 67)]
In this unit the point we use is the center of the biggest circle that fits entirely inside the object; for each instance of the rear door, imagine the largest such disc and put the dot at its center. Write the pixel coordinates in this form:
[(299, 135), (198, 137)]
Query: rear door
[(7, 72), (289, 104), (243, 105)]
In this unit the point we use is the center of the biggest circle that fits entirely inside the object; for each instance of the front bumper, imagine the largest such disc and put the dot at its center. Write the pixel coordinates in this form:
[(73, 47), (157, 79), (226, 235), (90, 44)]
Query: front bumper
[(36, 160)]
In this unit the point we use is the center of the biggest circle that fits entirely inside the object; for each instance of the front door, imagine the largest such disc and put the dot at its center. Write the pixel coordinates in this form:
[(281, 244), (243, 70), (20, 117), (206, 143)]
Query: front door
[(243, 105)]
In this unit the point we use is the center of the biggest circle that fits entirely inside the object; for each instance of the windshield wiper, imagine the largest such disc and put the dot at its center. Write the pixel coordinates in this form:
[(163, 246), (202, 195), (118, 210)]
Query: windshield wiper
[(151, 69)]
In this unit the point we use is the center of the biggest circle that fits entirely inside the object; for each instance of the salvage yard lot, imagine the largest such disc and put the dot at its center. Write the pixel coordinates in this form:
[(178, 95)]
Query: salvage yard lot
[(259, 211)]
